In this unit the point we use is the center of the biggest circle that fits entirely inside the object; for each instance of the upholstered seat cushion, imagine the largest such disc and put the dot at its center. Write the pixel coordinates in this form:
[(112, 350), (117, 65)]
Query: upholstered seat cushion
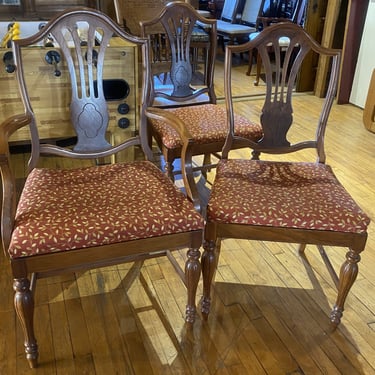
[(281, 194), (199, 35), (207, 123), (233, 28), (69, 209)]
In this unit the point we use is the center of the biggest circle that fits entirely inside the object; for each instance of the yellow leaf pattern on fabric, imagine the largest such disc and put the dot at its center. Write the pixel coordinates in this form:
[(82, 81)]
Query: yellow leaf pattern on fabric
[(206, 123), (62, 210), (281, 194)]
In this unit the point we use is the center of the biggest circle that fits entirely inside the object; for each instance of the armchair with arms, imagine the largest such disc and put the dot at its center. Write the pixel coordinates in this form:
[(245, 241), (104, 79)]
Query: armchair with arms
[(81, 215)]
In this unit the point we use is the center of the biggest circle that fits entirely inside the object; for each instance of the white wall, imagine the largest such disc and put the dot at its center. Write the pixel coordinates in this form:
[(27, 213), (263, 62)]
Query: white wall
[(366, 60)]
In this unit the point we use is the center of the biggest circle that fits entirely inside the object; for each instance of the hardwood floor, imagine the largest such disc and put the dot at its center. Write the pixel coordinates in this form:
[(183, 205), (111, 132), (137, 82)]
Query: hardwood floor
[(270, 312)]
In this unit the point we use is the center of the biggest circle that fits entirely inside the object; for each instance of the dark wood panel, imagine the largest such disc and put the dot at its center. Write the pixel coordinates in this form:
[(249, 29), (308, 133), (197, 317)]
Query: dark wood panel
[(40, 9)]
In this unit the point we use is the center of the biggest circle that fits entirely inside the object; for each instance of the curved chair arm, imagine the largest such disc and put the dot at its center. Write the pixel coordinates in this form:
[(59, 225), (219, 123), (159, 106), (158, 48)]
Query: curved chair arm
[(10, 125), (7, 128), (186, 154), (171, 119)]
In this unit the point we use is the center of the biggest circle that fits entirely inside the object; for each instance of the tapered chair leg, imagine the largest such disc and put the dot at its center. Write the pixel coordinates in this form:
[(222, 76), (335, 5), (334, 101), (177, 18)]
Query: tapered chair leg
[(348, 274)]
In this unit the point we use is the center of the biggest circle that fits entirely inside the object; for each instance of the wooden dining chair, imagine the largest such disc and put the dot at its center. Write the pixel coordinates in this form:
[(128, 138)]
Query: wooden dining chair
[(188, 97), (295, 14), (82, 213), (286, 196), (244, 26)]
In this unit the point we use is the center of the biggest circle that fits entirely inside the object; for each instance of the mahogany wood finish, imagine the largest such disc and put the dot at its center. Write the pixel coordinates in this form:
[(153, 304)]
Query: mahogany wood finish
[(281, 137), (84, 54)]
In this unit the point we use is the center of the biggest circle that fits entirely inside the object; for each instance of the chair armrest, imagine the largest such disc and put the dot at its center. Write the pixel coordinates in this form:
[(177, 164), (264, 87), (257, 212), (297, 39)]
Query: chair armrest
[(11, 125), (186, 153), (9, 201), (172, 120)]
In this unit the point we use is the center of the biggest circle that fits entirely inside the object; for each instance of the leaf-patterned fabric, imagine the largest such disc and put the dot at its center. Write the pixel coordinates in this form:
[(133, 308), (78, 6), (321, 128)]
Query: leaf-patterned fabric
[(207, 123), (282, 194), (62, 210)]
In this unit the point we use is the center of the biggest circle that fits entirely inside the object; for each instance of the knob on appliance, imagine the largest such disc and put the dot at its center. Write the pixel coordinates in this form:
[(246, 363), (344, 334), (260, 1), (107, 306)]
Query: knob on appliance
[(123, 108), (123, 123)]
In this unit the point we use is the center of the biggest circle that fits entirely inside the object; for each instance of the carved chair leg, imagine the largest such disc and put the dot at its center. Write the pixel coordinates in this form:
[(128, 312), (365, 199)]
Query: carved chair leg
[(24, 305), (348, 274), (192, 275), (209, 263)]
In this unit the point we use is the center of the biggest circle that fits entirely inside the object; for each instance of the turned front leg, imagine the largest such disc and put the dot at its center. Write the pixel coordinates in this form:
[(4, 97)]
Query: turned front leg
[(348, 274), (208, 271), (24, 305), (192, 275)]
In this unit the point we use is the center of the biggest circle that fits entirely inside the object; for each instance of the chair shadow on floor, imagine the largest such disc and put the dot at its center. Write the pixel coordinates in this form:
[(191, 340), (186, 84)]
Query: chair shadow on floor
[(288, 323)]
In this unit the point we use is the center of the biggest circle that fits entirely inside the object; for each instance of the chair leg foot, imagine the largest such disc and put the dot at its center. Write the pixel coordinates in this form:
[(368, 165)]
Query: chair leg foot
[(205, 307), (190, 314), (24, 305), (336, 316)]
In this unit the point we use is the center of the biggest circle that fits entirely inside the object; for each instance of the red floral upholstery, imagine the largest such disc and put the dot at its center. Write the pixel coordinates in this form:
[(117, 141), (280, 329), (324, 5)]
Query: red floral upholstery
[(293, 195), (207, 123), (69, 209)]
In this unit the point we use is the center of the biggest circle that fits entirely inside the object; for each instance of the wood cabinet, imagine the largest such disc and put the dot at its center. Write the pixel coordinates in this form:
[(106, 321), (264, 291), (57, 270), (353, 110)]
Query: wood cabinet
[(38, 9)]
